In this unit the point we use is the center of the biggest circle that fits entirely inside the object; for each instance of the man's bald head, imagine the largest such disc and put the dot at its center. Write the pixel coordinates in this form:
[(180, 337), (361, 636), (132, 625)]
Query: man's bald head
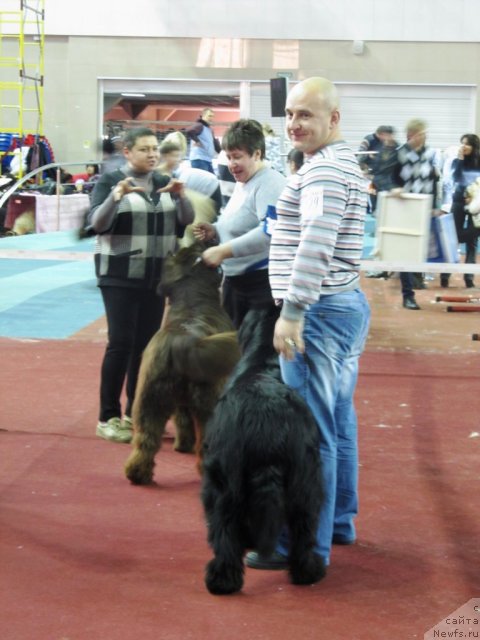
[(312, 111), (320, 88)]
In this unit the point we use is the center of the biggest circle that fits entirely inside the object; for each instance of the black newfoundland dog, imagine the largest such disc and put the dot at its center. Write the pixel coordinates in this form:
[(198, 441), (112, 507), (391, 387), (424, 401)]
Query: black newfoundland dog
[(185, 365), (261, 466)]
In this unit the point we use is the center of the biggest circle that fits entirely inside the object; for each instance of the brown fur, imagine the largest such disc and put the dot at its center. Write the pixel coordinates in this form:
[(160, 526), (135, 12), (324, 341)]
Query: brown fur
[(184, 366)]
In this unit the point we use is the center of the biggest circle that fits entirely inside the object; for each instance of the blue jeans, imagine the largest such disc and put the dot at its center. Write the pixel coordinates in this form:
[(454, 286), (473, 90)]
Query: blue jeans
[(335, 332), (406, 280)]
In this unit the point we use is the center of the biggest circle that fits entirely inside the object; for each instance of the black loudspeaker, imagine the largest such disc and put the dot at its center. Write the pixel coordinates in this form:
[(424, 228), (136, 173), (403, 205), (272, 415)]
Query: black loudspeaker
[(278, 96)]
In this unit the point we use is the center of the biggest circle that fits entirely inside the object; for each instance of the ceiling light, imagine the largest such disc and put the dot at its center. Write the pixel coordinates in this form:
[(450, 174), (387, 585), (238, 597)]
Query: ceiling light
[(133, 95)]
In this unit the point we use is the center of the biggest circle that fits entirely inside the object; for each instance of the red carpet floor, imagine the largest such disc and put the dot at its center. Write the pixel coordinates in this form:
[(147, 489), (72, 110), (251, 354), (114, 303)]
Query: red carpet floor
[(86, 556)]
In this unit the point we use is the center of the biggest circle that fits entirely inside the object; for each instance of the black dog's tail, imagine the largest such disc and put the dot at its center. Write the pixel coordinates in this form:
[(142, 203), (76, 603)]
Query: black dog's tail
[(267, 507), (206, 358)]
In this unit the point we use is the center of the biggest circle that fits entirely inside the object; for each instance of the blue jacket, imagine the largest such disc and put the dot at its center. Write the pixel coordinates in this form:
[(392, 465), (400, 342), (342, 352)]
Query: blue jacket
[(202, 133)]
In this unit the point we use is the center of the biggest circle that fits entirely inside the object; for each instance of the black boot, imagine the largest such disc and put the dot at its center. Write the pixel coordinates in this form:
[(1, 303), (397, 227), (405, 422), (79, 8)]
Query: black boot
[(410, 303)]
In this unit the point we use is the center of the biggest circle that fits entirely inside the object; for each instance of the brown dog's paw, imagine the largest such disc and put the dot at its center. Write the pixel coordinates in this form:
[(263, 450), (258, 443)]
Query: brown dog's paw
[(138, 473), (136, 477), (183, 447)]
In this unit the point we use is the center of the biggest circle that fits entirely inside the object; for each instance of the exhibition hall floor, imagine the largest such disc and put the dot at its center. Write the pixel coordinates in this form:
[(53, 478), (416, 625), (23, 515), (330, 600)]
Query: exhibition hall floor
[(86, 555)]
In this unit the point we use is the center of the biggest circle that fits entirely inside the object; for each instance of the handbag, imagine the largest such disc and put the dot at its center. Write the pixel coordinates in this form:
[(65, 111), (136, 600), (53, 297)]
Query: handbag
[(473, 207), (443, 242)]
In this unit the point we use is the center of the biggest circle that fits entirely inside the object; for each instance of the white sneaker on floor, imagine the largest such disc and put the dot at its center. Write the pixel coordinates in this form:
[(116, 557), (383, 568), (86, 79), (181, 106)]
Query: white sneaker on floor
[(114, 430)]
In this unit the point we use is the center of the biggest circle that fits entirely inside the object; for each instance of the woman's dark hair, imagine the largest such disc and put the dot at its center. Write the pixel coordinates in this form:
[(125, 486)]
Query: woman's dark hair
[(246, 135), (472, 160), (132, 135), (96, 170)]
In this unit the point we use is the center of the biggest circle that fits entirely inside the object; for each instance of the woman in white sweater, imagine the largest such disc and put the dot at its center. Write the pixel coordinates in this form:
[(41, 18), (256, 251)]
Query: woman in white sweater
[(242, 245)]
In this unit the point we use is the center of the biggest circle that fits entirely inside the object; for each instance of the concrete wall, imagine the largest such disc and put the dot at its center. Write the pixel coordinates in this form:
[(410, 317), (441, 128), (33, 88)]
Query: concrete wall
[(73, 66)]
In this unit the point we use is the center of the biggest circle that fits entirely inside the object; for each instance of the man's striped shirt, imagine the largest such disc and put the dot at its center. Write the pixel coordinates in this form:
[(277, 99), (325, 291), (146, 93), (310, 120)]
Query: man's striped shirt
[(318, 237)]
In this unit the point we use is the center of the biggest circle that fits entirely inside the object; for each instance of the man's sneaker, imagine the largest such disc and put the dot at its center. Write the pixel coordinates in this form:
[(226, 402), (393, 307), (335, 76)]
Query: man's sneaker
[(337, 538), (114, 431), (274, 562)]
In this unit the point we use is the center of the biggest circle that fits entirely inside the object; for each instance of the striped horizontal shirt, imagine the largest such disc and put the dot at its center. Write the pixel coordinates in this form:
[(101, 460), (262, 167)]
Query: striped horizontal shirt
[(317, 241)]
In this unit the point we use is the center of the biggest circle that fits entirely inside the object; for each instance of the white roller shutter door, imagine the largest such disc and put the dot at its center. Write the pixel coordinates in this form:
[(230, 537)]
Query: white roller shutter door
[(448, 109)]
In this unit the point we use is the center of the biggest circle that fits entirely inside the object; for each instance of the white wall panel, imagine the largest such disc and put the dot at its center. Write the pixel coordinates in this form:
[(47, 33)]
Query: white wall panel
[(374, 20), (260, 107)]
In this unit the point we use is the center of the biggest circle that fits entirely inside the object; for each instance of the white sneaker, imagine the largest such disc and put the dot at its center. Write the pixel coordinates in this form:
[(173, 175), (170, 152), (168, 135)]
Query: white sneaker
[(114, 430)]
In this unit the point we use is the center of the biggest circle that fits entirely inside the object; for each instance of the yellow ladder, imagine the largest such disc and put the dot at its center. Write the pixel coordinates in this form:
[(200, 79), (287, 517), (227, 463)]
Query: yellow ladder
[(22, 39)]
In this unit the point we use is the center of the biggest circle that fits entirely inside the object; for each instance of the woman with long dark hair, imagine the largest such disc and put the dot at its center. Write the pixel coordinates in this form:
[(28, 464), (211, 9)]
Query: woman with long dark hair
[(466, 169)]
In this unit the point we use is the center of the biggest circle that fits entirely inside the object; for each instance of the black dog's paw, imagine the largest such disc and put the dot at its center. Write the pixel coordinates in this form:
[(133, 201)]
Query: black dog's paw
[(222, 579), (310, 570)]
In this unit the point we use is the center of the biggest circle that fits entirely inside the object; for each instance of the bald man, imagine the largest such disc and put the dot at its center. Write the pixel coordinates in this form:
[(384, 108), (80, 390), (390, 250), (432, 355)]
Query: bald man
[(315, 252)]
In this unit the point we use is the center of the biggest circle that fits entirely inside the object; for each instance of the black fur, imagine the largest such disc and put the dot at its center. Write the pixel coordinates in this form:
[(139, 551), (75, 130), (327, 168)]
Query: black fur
[(261, 466), (185, 365)]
